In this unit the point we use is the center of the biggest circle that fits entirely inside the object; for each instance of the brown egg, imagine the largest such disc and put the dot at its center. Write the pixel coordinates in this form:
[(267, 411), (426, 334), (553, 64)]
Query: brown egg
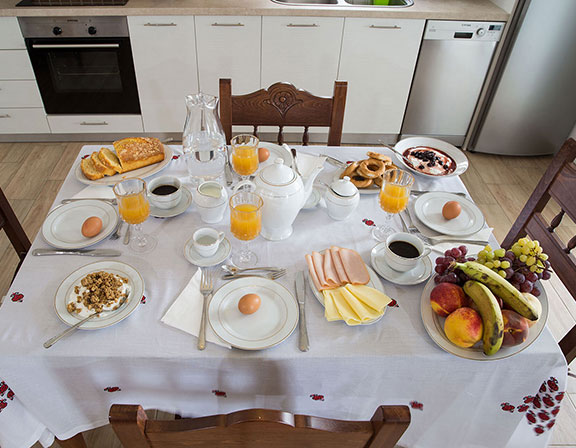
[(263, 154), (92, 227), (249, 303), (451, 210)]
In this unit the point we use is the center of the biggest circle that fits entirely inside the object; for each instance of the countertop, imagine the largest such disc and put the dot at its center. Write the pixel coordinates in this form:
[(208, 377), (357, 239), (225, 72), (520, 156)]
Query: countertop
[(422, 9)]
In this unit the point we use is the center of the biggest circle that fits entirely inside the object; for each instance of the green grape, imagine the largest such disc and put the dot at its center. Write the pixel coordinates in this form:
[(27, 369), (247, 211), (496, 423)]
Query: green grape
[(523, 241), (538, 250), (505, 264), (523, 258), (533, 268), (539, 270), (530, 261), (516, 251), (525, 250), (539, 264), (531, 244), (502, 273), (489, 255), (500, 252), (544, 257), (482, 254), (489, 264), (496, 263), (488, 248), (536, 243)]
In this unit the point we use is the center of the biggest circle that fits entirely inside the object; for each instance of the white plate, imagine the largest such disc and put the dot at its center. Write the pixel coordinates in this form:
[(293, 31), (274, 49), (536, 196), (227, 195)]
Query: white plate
[(428, 209), (185, 202), (434, 325), (373, 283), (412, 277), (63, 225), (275, 152), (142, 173), (452, 151), (66, 288), (274, 321), (198, 260)]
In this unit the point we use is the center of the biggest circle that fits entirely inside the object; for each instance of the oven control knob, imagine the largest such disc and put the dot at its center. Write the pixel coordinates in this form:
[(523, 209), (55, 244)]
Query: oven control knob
[(91, 30), (57, 31), (481, 32)]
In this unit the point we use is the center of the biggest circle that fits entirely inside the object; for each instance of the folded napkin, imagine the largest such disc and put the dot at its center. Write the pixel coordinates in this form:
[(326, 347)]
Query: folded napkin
[(354, 304), (96, 191), (309, 164), (186, 312)]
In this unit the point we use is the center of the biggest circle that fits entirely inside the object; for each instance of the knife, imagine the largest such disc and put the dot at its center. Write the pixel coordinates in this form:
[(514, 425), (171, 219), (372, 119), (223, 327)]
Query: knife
[(420, 192), (67, 201), (86, 252), (304, 345)]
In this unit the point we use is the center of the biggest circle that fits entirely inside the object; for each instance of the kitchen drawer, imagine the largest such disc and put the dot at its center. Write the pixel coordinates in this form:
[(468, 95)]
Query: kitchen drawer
[(19, 94), (94, 124), (15, 64), (10, 34), (20, 121)]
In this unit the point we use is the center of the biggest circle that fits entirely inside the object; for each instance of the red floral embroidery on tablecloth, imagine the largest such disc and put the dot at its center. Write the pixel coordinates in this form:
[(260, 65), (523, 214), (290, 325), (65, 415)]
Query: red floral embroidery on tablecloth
[(393, 304), (317, 397), (85, 157), (417, 405), (368, 222), (219, 393), (112, 389), (176, 156), (507, 407), (16, 297), (3, 404), (4, 389), (143, 300)]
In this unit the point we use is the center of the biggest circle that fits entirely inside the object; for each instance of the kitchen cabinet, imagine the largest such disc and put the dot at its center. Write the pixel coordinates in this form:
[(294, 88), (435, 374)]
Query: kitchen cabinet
[(10, 35), (164, 51), (378, 60), (88, 124), (23, 121), (15, 64), (19, 94)]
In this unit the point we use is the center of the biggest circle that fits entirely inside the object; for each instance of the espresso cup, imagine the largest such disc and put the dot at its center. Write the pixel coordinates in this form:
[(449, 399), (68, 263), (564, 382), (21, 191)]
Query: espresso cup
[(206, 241), (165, 200), (404, 263), (211, 200)]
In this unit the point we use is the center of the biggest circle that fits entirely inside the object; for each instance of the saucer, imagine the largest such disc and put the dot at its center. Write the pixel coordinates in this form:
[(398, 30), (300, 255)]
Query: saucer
[(182, 206), (198, 260), (314, 198), (414, 276)]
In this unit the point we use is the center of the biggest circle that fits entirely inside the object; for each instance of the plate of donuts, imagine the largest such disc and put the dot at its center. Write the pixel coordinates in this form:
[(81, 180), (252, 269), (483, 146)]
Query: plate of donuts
[(367, 174)]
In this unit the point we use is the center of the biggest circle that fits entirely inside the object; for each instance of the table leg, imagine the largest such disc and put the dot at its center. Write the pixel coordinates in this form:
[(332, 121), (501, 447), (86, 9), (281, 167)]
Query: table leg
[(74, 442)]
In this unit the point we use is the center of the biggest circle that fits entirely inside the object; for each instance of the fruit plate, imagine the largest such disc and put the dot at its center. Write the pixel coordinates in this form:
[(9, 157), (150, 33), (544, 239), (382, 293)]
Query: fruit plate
[(434, 326)]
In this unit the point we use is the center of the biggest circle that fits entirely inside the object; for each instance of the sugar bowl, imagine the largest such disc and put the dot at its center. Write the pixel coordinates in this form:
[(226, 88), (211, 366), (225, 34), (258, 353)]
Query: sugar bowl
[(341, 198)]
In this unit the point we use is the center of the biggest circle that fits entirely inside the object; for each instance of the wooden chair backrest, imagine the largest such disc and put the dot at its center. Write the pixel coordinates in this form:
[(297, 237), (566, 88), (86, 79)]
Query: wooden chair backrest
[(14, 231), (282, 105), (259, 428), (558, 183)]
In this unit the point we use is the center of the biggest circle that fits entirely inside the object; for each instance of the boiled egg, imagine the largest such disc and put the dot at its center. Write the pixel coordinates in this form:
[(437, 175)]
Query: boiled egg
[(92, 227), (263, 154), (249, 303), (451, 210)]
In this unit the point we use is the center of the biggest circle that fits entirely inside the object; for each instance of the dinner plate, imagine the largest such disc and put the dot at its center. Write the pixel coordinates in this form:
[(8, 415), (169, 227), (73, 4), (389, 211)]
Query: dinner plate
[(428, 209), (274, 321), (62, 227), (434, 326), (452, 151), (181, 207), (198, 260), (276, 151), (65, 294), (141, 173), (419, 274)]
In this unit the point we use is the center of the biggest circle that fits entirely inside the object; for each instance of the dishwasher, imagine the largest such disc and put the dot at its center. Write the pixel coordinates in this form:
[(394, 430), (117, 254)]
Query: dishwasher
[(451, 69)]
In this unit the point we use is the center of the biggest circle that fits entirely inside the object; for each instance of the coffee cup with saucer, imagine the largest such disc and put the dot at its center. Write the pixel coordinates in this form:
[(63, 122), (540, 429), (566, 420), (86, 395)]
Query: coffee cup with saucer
[(207, 247), (165, 192), (180, 206)]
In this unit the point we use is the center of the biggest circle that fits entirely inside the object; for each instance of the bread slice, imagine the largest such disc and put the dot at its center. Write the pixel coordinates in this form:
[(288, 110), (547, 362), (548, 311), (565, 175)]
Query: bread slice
[(137, 152), (89, 169), (110, 159), (100, 166)]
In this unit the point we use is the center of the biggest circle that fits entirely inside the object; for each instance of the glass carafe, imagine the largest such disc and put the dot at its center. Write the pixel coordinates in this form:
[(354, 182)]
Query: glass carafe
[(203, 139)]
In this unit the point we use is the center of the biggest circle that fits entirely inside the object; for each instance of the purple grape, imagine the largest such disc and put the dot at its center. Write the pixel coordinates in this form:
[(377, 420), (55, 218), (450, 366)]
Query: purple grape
[(546, 275), (518, 278), (510, 255), (440, 260), (531, 277), (509, 273), (452, 277), (463, 249), (535, 292), (449, 259), (440, 269), (526, 286), (437, 279), (447, 253), (516, 285), (456, 253), (470, 259), (506, 259), (539, 274), (547, 264)]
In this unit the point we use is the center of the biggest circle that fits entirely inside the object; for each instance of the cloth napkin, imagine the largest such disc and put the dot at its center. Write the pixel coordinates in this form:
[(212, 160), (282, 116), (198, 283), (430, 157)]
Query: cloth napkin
[(309, 164), (96, 191), (186, 312)]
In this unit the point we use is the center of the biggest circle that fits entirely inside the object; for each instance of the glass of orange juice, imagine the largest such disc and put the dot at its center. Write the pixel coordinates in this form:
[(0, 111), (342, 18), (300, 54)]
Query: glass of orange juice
[(245, 224), (134, 208), (244, 154), (393, 198)]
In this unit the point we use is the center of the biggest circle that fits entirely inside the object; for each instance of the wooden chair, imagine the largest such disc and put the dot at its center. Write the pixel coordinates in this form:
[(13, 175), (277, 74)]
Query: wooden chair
[(14, 231), (558, 183), (282, 105), (259, 428)]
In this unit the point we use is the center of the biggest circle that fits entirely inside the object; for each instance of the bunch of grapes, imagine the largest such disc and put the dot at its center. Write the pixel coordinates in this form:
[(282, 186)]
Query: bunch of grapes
[(447, 274)]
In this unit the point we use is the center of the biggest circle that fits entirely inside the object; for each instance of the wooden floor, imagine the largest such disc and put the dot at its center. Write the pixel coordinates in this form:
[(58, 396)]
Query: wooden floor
[(31, 174)]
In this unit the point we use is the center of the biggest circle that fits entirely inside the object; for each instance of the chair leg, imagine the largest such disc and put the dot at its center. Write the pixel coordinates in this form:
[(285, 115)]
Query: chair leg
[(74, 442)]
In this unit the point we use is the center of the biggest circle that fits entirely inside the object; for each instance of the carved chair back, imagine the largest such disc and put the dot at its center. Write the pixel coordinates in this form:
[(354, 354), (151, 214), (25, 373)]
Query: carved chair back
[(282, 105), (259, 428), (558, 183), (14, 231)]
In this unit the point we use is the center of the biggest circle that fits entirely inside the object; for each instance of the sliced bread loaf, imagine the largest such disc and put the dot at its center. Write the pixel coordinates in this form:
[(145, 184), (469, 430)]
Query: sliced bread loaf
[(90, 170), (110, 159), (100, 166)]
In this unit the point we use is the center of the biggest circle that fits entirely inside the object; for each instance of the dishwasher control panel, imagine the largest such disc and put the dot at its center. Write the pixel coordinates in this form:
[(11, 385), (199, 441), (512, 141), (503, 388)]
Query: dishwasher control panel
[(450, 30)]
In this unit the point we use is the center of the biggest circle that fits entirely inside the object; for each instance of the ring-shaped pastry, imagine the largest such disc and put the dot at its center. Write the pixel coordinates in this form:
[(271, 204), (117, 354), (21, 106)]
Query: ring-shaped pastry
[(376, 155), (379, 181), (371, 168), (360, 181), (350, 170)]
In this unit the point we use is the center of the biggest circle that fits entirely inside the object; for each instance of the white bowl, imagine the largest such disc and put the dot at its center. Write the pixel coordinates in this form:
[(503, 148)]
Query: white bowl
[(452, 151)]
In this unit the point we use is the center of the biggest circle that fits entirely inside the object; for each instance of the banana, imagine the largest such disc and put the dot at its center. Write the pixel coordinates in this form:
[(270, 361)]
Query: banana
[(500, 287), (493, 332)]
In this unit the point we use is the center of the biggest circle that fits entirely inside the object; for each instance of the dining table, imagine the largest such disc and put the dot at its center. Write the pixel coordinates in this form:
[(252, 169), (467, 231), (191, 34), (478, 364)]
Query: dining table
[(346, 374)]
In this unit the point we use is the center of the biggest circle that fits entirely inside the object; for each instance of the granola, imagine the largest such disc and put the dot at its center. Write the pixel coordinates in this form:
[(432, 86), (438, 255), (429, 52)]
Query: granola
[(98, 291)]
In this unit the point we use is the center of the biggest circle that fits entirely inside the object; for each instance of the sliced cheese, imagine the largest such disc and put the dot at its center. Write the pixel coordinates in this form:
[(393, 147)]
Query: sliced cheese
[(330, 312), (371, 297), (365, 313)]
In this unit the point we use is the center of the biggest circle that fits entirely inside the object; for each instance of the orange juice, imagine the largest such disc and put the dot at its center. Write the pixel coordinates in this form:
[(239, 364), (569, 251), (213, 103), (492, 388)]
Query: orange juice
[(245, 221), (393, 198), (245, 160), (134, 209)]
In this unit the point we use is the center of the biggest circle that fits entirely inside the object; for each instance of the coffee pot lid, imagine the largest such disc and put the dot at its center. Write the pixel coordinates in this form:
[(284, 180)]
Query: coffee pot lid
[(278, 174)]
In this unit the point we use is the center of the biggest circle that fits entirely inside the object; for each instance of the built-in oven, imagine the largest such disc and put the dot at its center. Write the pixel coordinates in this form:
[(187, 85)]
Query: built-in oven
[(82, 65)]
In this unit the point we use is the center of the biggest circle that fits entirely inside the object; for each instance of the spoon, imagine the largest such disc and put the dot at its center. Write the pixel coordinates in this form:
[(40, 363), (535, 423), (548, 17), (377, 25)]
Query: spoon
[(234, 270), (395, 151)]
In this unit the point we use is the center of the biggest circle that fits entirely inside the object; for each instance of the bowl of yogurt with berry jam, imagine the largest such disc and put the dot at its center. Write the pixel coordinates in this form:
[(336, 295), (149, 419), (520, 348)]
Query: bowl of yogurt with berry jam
[(431, 157)]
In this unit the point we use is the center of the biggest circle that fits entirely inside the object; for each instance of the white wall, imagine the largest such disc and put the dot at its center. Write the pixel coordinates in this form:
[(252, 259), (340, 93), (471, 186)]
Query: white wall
[(506, 5)]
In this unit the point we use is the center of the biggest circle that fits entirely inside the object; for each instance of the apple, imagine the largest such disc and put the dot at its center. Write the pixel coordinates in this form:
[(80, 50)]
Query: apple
[(446, 298), (515, 328)]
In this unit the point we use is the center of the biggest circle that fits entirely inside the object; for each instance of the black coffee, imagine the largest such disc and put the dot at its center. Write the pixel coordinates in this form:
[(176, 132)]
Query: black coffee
[(164, 190), (404, 249)]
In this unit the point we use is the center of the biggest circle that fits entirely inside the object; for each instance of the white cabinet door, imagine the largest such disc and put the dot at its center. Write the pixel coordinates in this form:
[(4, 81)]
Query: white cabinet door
[(19, 94), (15, 64), (303, 51), (87, 124), (228, 47), (164, 52), (23, 121), (378, 61), (10, 34)]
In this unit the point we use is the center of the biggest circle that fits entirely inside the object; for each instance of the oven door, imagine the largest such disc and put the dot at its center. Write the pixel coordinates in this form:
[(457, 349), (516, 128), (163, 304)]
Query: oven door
[(85, 76)]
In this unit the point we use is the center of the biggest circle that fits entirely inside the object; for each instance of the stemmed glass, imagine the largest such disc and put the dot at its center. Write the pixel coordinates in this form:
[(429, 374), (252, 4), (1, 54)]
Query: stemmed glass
[(134, 209), (245, 224), (244, 154), (393, 198)]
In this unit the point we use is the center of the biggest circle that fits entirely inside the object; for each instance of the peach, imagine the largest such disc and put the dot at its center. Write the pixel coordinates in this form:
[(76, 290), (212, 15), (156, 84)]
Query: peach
[(446, 298), (464, 327), (516, 328)]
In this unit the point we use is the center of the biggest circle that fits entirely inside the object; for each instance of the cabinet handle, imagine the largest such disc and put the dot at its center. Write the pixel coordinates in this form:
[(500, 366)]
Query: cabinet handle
[(160, 24), (5, 116), (100, 123), (386, 27), (227, 24), (302, 25)]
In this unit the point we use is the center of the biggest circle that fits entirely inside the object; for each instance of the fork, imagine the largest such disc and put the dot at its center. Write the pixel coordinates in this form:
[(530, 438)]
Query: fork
[(206, 288), (270, 275), (116, 234)]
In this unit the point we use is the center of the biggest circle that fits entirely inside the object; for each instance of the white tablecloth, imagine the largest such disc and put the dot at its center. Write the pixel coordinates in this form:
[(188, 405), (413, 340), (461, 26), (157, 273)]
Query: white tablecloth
[(347, 373)]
